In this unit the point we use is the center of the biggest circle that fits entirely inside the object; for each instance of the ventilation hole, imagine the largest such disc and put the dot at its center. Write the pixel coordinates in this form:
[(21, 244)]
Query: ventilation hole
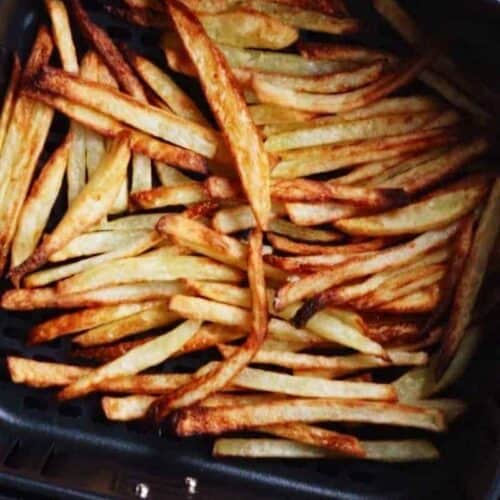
[(360, 476), (35, 403), (119, 33), (68, 410)]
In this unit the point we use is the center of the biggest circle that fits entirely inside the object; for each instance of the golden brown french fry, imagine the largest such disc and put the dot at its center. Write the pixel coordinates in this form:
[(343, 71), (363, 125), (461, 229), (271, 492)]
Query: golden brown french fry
[(289, 246), (82, 320), (166, 88), (358, 267), (182, 194), (155, 317), (340, 52), (28, 299), (471, 278), (201, 239), (338, 103), (152, 120), (242, 137), (308, 161), (366, 128), (89, 207), (107, 126), (283, 330), (307, 19), (146, 222), (97, 242), (134, 361), (233, 219), (25, 138), (162, 266), (38, 205), (303, 190), (419, 302), (9, 99), (432, 213), (221, 292), (215, 380), (200, 420), (410, 450), (308, 214), (430, 173), (263, 114)]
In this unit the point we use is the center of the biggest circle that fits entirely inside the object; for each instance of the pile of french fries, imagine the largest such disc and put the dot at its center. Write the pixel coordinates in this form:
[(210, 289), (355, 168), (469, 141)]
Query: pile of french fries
[(327, 240)]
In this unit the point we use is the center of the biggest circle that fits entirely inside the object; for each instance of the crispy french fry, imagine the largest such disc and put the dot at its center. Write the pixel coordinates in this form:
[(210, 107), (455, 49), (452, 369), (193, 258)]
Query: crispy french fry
[(302, 190), (217, 420), (9, 99), (307, 19), (340, 52), (471, 278), (337, 103), (37, 207), (429, 214), (99, 193), (308, 161), (419, 302), (133, 112), (107, 126), (410, 450), (156, 317), (146, 222), (97, 242), (28, 299), (159, 267), (289, 246), (263, 114), (134, 361), (221, 292), (233, 219), (359, 267), (242, 137), (82, 320), (181, 194), (367, 128), (307, 214), (215, 380)]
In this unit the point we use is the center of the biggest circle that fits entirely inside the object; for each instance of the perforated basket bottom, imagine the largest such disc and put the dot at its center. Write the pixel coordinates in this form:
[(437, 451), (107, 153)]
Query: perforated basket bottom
[(28, 416)]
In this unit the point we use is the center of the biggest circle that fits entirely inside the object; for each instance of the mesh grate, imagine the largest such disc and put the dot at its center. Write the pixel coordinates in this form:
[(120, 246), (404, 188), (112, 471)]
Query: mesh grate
[(26, 412)]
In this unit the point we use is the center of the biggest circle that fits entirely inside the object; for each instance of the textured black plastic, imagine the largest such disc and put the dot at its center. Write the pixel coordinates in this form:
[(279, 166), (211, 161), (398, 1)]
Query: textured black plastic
[(70, 451)]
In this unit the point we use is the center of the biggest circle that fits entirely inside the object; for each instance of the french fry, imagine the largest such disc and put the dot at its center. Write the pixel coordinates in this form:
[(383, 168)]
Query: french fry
[(26, 135), (121, 107), (221, 292), (321, 84), (203, 386), (9, 99), (156, 317), (107, 353), (302, 190), (307, 19), (217, 420), (338, 103), (28, 299), (68, 324), (452, 409), (241, 137), (126, 408), (289, 246), (107, 126), (233, 219), (263, 114), (170, 176), (471, 278), (146, 268), (166, 88), (100, 193), (340, 52), (434, 212), (143, 17), (307, 214), (201, 239), (419, 302), (97, 242), (358, 267), (367, 128), (308, 161), (134, 361), (428, 174), (38, 205), (283, 330), (164, 196), (410, 450), (146, 222)]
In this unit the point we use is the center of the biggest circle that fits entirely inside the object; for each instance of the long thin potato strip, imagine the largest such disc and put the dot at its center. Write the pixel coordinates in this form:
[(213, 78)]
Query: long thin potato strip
[(231, 112), (9, 99)]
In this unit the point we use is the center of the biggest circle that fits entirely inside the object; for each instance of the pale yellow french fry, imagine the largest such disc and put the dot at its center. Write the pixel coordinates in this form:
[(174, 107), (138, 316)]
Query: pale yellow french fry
[(38, 205), (150, 354), (308, 214), (169, 176), (135, 247), (9, 99), (233, 219), (416, 450), (146, 222)]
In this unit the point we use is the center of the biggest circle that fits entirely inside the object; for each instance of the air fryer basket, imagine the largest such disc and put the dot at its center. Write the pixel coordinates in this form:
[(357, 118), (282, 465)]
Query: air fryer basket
[(70, 451)]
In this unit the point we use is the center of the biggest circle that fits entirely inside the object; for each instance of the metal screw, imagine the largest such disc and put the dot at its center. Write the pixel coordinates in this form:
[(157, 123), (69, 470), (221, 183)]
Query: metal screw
[(142, 491), (192, 485)]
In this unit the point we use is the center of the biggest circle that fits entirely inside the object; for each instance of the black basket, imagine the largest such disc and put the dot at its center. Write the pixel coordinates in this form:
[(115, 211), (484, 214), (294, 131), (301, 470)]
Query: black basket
[(49, 450)]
